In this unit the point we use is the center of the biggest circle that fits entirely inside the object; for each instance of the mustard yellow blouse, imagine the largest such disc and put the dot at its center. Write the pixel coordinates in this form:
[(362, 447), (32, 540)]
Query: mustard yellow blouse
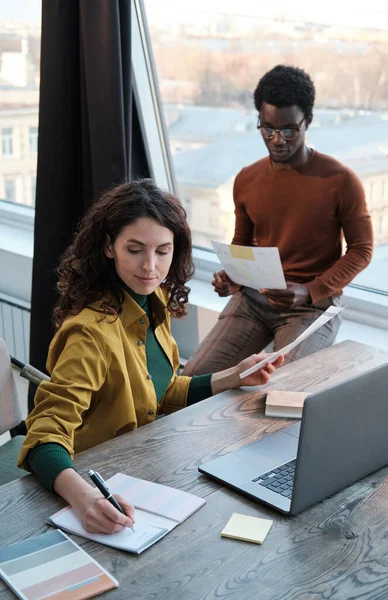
[(99, 386)]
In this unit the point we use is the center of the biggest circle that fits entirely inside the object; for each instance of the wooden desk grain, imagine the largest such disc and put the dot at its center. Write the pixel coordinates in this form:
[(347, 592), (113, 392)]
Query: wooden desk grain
[(336, 550)]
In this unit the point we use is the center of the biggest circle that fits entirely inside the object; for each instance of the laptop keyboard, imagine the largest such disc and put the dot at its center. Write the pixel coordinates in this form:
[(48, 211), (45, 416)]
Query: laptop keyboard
[(279, 480)]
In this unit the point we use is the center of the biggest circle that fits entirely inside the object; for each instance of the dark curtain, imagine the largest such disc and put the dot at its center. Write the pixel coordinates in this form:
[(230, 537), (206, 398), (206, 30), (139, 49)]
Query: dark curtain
[(89, 135)]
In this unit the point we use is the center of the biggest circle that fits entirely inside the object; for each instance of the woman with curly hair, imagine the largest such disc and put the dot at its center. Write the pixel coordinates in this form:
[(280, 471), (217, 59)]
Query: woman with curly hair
[(113, 361)]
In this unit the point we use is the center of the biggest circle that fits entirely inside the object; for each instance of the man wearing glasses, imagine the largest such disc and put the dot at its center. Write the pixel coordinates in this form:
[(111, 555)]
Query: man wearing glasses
[(304, 203)]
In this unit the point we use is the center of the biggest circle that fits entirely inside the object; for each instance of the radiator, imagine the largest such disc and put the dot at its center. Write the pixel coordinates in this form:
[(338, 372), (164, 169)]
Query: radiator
[(15, 326)]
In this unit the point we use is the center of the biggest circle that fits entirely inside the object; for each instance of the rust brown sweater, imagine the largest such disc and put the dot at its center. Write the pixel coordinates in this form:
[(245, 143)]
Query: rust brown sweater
[(306, 212)]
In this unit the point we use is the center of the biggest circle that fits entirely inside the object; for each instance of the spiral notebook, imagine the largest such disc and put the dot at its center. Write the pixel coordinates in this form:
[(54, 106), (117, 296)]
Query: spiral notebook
[(52, 566)]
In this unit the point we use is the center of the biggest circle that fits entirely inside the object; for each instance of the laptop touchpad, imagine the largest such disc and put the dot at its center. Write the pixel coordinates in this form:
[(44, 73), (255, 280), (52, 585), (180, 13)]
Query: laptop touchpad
[(269, 452)]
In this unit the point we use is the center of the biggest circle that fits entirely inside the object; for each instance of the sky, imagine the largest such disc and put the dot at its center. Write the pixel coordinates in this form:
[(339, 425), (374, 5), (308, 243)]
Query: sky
[(21, 10), (373, 13)]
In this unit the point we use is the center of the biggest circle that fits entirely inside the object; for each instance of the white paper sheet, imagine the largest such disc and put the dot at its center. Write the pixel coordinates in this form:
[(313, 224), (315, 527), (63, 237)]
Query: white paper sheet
[(155, 498), (252, 266), (147, 530), (331, 312)]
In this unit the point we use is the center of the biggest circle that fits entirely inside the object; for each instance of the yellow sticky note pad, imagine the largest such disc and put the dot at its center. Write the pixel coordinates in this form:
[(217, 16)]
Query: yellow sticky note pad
[(242, 252), (247, 529)]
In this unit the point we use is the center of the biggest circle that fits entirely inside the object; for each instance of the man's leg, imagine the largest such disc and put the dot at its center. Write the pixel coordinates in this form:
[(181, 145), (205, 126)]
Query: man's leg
[(236, 335), (295, 322)]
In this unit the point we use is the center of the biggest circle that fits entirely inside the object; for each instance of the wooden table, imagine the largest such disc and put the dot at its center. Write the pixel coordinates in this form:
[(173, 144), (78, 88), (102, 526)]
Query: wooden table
[(336, 550)]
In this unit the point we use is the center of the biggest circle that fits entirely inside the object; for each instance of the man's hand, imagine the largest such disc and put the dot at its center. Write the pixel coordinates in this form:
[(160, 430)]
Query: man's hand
[(223, 285), (296, 294)]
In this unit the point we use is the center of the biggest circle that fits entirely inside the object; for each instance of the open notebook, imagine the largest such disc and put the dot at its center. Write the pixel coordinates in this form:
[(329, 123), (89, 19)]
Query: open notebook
[(159, 509)]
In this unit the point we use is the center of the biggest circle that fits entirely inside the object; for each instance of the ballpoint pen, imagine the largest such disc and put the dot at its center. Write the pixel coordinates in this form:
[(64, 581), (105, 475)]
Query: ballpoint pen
[(105, 491)]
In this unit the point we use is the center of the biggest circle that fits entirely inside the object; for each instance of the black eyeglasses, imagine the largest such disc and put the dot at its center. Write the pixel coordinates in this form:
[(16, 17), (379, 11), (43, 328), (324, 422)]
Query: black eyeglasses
[(287, 133)]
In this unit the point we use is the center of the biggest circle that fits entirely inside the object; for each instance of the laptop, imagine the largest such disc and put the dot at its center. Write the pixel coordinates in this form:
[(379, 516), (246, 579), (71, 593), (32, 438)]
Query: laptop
[(341, 438)]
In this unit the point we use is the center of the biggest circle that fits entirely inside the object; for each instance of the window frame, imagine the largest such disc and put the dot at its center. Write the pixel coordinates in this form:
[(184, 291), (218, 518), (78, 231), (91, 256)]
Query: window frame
[(150, 109)]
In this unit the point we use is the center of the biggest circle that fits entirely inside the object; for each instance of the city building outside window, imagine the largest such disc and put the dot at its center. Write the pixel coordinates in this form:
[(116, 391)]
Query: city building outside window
[(20, 31)]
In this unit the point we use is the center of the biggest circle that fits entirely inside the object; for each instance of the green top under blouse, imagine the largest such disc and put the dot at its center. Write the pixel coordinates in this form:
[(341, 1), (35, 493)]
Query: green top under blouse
[(159, 366)]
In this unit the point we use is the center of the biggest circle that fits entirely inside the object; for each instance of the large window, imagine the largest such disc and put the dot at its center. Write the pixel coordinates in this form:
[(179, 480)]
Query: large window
[(19, 97), (209, 57)]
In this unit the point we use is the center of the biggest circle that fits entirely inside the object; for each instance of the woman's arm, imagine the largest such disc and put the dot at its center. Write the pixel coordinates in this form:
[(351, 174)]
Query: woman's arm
[(185, 391), (230, 378), (96, 514), (54, 468), (78, 369)]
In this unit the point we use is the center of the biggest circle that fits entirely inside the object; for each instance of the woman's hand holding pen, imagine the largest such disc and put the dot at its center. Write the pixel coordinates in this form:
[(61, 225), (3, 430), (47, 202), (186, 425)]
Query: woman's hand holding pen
[(98, 515), (95, 512)]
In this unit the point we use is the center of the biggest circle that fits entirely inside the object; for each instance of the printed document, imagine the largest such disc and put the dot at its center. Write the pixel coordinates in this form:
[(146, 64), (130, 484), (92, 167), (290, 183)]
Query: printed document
[(331, 312), (252, 266)]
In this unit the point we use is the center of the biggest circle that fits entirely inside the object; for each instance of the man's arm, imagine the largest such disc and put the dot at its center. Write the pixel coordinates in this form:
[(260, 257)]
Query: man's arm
[(356, 223)]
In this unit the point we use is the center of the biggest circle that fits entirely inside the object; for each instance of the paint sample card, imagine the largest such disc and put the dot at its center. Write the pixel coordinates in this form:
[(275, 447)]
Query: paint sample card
[(247, 529), (52, 566), (252, 266)]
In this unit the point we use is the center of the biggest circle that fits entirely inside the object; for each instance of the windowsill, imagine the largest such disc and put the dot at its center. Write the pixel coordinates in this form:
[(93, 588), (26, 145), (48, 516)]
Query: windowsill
[(365, 318), (16, 229), (16, 252), (363, 306)]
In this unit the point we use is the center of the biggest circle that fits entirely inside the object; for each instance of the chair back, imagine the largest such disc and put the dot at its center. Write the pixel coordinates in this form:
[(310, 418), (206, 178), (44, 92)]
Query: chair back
[(10, 411)]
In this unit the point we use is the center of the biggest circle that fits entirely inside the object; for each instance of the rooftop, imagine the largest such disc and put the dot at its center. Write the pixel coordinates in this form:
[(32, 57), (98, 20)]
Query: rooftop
[(358, 139)]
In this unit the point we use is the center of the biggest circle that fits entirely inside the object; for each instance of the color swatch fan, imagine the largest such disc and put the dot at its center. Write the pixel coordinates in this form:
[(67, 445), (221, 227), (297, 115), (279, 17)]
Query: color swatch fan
[(52, 566)]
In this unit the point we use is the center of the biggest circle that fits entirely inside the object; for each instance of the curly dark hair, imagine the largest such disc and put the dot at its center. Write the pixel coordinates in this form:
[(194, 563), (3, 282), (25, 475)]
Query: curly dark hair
[(285, 86), (86, 274)]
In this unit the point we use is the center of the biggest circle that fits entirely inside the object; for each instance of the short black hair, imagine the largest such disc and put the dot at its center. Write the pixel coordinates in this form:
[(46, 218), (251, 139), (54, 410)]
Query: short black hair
[(285, 86)]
